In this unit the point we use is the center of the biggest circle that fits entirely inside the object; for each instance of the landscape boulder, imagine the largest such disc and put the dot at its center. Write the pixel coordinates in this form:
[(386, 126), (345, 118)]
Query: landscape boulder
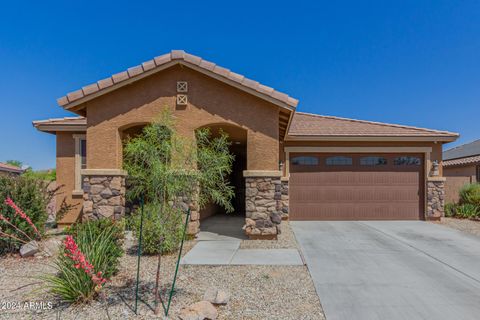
[(216, 296), (202, 310), (29, 249)]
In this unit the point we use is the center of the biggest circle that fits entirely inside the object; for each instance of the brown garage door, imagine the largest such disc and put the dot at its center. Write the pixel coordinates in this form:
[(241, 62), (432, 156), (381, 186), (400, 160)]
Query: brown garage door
[(356, 186)]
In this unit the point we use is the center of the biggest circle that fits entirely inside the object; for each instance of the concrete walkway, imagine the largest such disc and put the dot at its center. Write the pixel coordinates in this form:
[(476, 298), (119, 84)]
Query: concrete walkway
[(392, 269), (224, 252), (219, 244)]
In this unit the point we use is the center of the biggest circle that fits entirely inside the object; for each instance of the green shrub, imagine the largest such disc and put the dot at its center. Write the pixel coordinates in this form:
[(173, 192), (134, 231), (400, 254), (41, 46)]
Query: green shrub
[(450, 210), (470, 194), (467, 211), (45, 175), (95, 229), (100, 244), (161, 234), (31, 196)]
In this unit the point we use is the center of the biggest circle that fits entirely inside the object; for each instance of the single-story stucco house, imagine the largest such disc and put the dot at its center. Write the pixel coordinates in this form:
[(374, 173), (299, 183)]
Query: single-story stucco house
[(461, 166), (288, 163), (7, 169)]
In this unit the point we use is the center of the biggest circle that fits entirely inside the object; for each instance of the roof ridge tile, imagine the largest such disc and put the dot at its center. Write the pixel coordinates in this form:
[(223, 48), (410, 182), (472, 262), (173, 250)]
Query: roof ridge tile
[(158, 61)]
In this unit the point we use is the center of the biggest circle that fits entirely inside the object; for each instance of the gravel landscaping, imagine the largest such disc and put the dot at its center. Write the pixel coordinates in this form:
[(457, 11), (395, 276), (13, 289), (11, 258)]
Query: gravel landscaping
[(286, 240), (465, 225), (257, 292)]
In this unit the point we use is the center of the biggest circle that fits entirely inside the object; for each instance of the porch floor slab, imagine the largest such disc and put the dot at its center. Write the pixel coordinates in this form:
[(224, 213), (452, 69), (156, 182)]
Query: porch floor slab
[(228, 253), (212, 252)]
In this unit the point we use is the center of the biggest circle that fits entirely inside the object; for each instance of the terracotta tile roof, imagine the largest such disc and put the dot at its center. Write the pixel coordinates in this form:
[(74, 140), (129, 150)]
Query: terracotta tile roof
[(175, 56), (10, 168), (461, 161), (306, 124), (61, 124)]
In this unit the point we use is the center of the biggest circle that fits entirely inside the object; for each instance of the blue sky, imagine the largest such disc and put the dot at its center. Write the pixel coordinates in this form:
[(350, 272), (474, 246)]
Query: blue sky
[(408, 62)]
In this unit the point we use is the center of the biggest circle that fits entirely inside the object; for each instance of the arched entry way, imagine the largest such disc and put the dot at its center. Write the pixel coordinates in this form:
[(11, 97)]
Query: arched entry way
[(213, 218)]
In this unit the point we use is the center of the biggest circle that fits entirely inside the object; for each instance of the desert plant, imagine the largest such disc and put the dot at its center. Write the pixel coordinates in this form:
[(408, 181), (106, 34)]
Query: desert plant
[(30, 196), (86, 261), (46, 175), (470, 194), (94, 229), (161, 235), (450, 210), (467, 211), (167, 170)]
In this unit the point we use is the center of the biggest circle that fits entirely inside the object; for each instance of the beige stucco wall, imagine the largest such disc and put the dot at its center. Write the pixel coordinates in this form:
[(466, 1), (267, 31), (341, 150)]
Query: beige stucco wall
[(210, 102), (457, 177), (465, 171), (66, 176)]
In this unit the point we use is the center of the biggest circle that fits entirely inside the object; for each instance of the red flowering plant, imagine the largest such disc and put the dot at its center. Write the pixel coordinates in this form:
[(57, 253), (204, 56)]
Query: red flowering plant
[(80, 262), (19, 228), (90, 256), (23, 204)]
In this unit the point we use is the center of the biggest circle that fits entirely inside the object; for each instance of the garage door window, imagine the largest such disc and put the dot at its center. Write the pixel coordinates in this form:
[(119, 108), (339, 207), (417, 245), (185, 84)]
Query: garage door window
[(305, 161), (373, 161), (339, 161), (407, 161)]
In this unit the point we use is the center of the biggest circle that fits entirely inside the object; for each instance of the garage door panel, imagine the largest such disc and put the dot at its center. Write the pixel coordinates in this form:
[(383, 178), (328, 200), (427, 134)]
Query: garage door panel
[(318, 195), (354, 178), (357, 192), (369, 211)]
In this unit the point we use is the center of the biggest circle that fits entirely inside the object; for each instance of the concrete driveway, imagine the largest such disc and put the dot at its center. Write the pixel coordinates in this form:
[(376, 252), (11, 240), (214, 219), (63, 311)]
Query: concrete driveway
[(392, 269)]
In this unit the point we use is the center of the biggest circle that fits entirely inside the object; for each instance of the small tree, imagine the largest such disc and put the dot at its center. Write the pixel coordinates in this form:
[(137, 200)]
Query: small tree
[(15, 163), (166, 169)]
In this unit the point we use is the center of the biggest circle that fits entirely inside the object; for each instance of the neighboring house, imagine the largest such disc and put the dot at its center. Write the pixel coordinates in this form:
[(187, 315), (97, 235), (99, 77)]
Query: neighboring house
[(461, 166), (7, 169), (308, 166)]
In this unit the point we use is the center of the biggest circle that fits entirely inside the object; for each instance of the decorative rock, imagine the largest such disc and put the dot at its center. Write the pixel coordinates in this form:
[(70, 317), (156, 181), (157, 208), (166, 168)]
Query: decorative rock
[(249, 222), (116, 183), (51, 246), (106, 193), (96, 189), (105, 211), (115, 201), (276, 218), (29, 249), (98, 180), (199, 311), (216, 296)]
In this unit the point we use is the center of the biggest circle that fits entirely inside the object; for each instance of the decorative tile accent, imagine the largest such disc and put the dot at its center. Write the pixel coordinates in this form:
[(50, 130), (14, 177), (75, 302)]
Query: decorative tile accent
[(182, 86), (182, 99)]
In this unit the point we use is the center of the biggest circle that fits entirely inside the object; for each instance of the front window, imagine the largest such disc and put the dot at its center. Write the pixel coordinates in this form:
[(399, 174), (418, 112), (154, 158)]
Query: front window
[(339, 161), (373, 161), (83, 153), (305, 161), (407, 161), (80, 161)]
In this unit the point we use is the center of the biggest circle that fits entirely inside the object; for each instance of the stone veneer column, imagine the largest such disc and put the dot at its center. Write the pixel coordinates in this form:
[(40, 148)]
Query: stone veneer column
[(263, 197), (104, 194), (284, 203), (435, 198)]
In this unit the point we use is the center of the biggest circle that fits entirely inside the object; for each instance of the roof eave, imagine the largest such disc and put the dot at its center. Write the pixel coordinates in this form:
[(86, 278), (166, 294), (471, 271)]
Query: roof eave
[(369, 138), (53, 128)]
